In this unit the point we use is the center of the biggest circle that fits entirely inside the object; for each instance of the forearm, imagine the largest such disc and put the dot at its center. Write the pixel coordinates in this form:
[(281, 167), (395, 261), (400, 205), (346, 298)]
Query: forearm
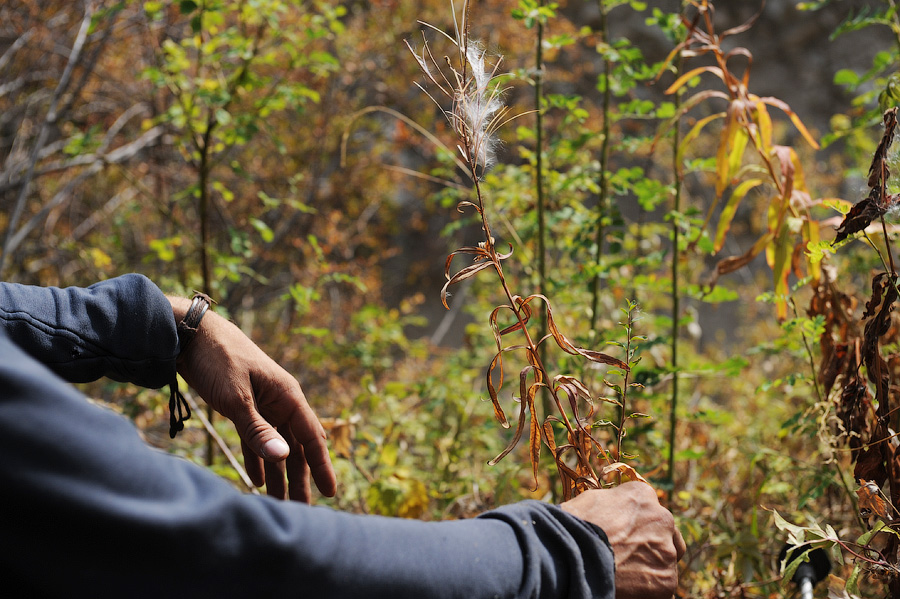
[(104, 507), (122, 328)]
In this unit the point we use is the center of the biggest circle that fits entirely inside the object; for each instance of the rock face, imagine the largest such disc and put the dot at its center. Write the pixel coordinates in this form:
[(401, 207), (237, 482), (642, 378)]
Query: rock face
[(794, 58)]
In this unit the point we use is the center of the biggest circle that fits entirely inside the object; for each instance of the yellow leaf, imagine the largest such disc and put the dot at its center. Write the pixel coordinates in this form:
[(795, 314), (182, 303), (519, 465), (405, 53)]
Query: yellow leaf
[(730, 208), (764, 123), (723, 155), (782, 250), (100, 258), (693, 133), (794, 119), (814, 267), (679, 83), (736, 156)]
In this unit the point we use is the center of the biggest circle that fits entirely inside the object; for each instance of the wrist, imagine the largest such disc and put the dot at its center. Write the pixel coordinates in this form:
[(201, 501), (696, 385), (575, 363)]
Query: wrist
[(188, 315), (189, 324)]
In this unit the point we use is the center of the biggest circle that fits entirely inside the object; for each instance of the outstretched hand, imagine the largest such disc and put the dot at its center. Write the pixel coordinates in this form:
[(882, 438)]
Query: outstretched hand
[(279, 432), (642, 533)]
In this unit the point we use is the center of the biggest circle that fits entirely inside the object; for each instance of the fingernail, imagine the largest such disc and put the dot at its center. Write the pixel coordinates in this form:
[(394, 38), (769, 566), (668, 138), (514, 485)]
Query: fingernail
[(275, 449)]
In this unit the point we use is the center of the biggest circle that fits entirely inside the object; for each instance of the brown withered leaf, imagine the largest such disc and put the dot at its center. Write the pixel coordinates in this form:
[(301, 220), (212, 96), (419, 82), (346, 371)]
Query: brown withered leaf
[(878, 171), (522, 318), (870, 500), (574, 391), (582, 442), (340, 434), (482, 260), (878, 311), (860, 216), (870, 466), (534, 438), (523, 312), (880, 283), (568, 477), (835, 359), (549, 439), (852, 408), (493, 391), (567, 346), (526, 402), (839, 342), (732, 263), (876, 204)]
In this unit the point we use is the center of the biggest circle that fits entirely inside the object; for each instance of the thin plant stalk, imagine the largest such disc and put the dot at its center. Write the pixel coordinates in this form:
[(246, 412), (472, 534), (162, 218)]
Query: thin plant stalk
[(540, 199), (676, 294), (603, 197), (626, 383), (203, 170)]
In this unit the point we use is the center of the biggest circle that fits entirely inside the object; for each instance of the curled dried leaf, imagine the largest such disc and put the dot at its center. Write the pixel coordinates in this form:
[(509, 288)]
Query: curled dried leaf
[(526, 402), (623, 469), (465, 273), (520, 426), (496, 363), (534, 437), (871, 501)]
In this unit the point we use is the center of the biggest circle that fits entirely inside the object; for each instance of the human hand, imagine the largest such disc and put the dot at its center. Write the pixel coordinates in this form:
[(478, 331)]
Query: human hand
[(245, 385), (642, 533)]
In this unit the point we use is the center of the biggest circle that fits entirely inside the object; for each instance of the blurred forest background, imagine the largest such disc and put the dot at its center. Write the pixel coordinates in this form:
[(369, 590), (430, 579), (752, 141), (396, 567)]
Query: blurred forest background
[(278, 155)]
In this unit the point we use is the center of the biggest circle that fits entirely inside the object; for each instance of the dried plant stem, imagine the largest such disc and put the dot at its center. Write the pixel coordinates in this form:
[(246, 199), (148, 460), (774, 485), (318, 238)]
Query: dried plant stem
[(476, 113), (809, 355), (532, 347)]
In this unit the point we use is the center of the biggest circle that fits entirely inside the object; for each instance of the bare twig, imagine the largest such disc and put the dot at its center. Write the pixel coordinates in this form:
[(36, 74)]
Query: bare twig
[(51, 118), (226, 451)]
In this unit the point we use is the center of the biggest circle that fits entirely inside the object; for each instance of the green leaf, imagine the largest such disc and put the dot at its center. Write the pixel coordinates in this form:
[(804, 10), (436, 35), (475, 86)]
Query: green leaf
[(185, 6), (846, 77), (222, 116), (842, 206), (790, 567), (263, 229), (797, 534)]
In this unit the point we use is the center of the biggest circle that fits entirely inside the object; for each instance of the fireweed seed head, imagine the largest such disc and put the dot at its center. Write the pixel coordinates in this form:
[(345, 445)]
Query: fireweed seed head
[(477, 105)]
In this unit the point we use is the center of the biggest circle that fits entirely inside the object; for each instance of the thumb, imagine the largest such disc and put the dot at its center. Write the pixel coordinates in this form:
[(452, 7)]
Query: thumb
[(263, 439)]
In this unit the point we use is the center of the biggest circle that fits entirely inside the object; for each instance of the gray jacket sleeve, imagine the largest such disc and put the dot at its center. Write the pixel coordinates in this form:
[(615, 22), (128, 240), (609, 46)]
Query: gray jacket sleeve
[(91, 510), (122, 328)]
